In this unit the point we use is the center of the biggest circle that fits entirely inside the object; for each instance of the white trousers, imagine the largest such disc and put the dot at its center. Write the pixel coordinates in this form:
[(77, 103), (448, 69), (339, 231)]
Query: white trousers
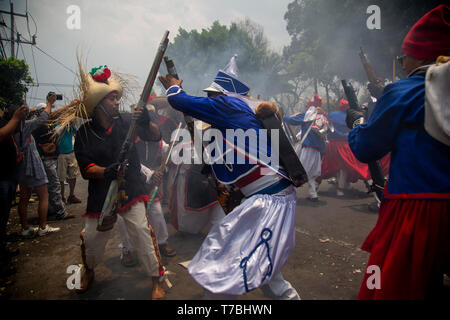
[(277, 288), (341, 179), (157, 222), (312, 188), (312, 162), (249, 246), (93, 242)]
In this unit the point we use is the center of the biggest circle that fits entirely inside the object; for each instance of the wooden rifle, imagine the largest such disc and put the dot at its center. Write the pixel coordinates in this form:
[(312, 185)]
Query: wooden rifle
[(374, 166), (116, 193), (375, 86), (367, 67)]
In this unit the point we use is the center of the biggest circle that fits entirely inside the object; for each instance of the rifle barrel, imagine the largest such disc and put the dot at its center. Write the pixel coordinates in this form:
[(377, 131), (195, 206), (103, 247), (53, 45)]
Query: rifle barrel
[(154, 70), (367, 66), (350, 94)]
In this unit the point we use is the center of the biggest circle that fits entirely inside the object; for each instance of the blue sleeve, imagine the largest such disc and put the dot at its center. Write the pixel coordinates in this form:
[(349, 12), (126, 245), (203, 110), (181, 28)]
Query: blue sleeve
[(374, 139), (220, 112), (296, 120)]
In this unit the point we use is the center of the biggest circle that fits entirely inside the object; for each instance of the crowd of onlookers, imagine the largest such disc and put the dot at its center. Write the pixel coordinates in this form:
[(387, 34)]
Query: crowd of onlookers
[(36, 156)]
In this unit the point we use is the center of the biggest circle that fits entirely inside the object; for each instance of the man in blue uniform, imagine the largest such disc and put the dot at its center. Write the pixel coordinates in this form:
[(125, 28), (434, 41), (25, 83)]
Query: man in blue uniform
[(410, 243), (250, 245)]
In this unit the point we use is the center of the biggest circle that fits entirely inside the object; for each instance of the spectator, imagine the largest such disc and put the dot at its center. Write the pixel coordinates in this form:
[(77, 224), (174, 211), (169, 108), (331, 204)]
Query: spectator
[(67, 164), (32, 176), (8, 180), (49, 151)]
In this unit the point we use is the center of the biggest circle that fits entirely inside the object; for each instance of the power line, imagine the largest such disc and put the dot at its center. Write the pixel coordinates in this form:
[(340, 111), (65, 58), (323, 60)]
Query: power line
[(34, 64), (23, 53), (55, 60), (37, 98), (47, 84), (47, 54)]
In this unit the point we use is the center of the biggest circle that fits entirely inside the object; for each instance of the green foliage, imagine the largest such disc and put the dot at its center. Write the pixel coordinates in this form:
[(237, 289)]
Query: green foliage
[(198, 55), (326, 36), (13, 80)]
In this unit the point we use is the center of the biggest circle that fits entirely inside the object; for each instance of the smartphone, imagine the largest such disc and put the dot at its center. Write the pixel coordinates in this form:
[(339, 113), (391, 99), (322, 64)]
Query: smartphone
[(59, 97)]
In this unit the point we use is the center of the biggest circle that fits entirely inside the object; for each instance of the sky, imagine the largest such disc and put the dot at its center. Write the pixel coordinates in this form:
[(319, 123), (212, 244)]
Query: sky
[(122, 34)]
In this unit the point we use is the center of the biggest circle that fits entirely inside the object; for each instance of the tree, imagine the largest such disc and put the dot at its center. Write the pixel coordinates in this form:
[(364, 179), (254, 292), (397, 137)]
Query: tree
[(199, 55), (13, 80), (326, 36)]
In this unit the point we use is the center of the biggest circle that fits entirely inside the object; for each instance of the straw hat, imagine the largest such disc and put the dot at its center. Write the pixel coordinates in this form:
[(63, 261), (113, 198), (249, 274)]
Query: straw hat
[(99, 83)]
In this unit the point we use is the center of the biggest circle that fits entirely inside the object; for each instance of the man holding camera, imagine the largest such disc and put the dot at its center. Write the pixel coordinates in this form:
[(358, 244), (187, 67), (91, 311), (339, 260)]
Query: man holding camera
[(49, 151)]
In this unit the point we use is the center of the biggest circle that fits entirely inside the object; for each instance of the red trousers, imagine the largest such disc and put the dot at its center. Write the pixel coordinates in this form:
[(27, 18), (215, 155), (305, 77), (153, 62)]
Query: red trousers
[(411, 246)]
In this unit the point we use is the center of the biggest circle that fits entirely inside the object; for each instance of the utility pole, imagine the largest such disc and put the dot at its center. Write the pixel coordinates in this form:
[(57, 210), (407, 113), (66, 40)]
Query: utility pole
[(18, 41), (12, 29)]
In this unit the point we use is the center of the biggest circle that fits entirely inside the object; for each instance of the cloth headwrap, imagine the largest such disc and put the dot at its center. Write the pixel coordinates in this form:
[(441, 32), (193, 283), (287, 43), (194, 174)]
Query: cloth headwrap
[(430, 36), (343, 104), (315, 101)]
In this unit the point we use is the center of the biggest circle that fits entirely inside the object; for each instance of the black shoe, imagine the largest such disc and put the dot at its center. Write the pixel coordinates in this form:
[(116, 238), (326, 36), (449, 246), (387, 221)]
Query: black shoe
[(313, 199), (167, 251), (64, 216)]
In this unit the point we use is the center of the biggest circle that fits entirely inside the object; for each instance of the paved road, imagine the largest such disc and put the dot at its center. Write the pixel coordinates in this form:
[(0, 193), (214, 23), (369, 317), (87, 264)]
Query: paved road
[(326, 263)]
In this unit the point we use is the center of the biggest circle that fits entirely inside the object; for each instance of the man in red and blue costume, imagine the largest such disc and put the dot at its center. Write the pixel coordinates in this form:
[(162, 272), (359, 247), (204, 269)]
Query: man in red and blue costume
[(249, 246), (314, 128), (339, 161), (410, 243)]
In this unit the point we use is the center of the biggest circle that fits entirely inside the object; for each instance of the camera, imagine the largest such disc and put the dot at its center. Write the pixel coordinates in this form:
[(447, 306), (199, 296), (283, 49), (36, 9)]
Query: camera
[(59, 97)]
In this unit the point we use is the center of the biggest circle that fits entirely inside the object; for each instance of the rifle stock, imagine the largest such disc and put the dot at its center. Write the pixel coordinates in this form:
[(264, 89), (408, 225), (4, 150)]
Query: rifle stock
[(116, 188), (374, 166), (350, 94)]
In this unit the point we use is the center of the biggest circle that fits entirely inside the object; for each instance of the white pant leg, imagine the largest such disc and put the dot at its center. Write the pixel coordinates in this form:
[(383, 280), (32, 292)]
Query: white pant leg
[(341, 178), (138, 230), (124, 237), (158, 223), (280, 289), (93, 243), (312, 188)]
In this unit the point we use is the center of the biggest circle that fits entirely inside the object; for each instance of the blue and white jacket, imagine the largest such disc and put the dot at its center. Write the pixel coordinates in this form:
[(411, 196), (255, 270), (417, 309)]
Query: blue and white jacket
[(420, 165), (225, 112), (313, 140)]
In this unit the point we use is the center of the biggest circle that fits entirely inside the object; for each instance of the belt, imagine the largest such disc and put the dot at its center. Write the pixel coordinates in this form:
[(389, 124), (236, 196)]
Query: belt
[(274, 188)]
